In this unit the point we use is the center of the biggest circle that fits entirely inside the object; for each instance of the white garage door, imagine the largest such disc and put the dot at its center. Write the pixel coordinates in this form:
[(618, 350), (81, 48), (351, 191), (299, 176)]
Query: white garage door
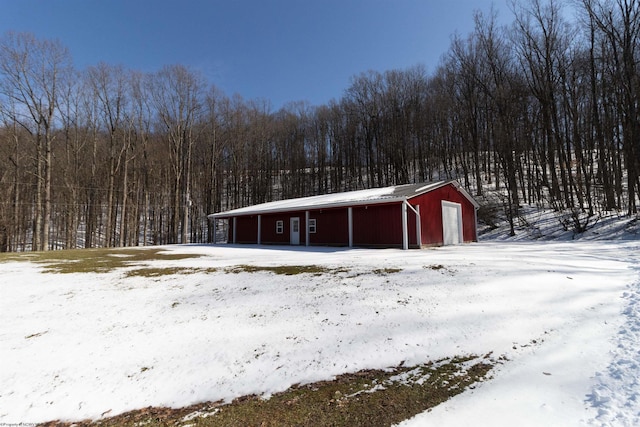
[(451, 223)]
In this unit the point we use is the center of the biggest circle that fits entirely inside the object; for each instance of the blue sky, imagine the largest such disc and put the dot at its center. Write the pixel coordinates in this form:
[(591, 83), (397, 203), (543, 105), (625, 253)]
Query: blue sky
[(276, 50)]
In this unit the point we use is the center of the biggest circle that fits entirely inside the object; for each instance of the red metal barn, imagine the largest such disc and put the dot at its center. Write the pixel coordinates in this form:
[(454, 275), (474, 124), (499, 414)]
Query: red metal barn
[(404, 216)]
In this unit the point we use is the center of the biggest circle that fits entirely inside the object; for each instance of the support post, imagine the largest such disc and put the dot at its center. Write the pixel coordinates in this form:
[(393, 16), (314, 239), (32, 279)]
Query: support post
[(213, 230), (415, 210), (405, 229), (418, 227), (350, 219), (235, 223), (259, 239), (306, 226)]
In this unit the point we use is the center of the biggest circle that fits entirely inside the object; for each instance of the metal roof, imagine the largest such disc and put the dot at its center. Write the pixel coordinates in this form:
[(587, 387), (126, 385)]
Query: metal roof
[(397, 193)]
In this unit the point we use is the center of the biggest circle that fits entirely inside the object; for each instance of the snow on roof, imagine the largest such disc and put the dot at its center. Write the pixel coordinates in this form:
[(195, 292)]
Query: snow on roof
[(325, 201)]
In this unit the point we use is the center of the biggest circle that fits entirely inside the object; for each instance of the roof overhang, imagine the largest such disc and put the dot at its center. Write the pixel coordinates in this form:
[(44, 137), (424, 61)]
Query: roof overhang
[(397, 194), (248, 212)]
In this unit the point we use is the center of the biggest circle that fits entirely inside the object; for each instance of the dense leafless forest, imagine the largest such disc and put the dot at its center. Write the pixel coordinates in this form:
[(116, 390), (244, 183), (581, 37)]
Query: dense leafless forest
[(546, 110)]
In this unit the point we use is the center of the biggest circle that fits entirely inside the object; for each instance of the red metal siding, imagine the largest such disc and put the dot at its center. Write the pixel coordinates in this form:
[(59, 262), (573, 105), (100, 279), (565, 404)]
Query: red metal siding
[(431, 214), (377, 225), (332, 227), (268, 228), (246, 229)]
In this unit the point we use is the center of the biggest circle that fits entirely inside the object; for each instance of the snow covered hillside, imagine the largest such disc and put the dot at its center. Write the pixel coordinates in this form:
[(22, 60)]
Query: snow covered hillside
[(564, 314)]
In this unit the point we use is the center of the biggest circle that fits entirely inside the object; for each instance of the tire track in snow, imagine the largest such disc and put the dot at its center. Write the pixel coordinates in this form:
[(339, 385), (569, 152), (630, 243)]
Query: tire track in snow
[(616, 395)]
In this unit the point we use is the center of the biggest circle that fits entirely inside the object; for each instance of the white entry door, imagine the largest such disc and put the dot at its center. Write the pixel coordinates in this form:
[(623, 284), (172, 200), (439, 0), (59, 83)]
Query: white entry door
[(451, 223), (295, 231)]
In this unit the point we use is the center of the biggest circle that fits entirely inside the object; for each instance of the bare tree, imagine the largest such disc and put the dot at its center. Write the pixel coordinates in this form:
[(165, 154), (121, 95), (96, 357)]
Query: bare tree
[(14, 214), (364, 101), (618, 22), (110, 89), (543, 41), (31, 72), (176, 93)]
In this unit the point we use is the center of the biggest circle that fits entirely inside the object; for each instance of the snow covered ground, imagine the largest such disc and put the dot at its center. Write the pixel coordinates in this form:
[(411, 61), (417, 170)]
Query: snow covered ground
[(565, 314)]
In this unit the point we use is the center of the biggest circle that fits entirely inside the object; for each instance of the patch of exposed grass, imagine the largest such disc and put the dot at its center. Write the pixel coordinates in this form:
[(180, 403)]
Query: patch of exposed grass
[(166, 271), (101, 260), (105, 260), (386, 271), (288, 270), (366, 398), (439, 267)]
